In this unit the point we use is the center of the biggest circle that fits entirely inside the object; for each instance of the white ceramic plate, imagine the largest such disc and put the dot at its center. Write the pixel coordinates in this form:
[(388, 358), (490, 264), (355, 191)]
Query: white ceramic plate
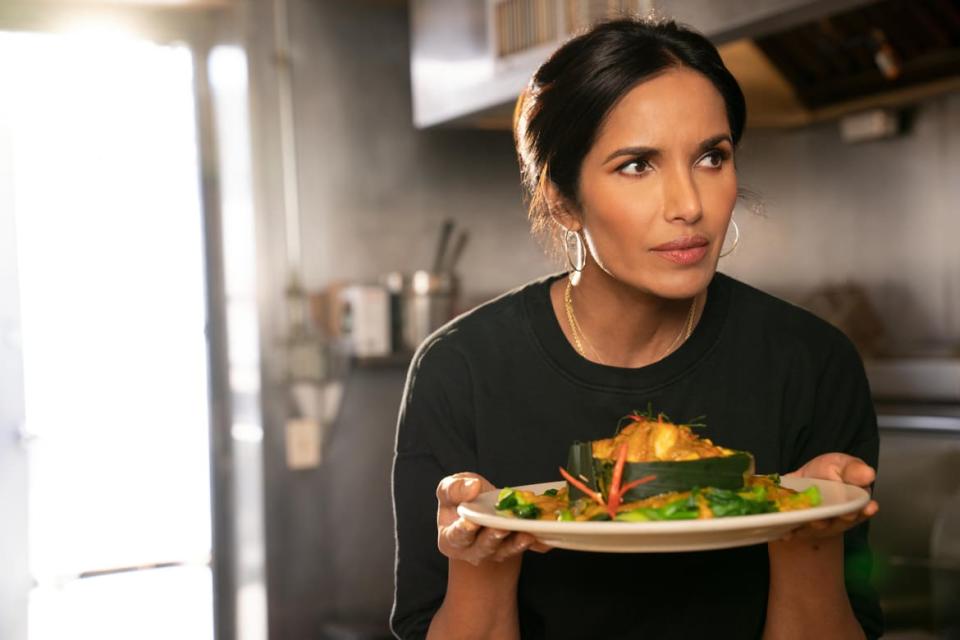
[(666, 535)]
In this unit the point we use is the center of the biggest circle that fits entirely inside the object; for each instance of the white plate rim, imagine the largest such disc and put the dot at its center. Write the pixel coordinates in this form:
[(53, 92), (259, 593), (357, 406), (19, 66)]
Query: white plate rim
[(480, 511)]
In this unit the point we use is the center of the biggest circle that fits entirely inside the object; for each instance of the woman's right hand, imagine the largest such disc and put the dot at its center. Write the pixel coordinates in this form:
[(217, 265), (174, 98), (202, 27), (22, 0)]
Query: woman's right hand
[(460, 539)]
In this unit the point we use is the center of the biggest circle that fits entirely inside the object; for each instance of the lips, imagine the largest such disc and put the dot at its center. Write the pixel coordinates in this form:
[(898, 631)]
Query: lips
[(686, 250), (681, 244)]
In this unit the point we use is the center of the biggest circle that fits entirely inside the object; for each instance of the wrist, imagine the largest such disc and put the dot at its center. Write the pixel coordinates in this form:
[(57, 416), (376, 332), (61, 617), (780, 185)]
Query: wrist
[(489, 582), (481, 601), (802, 561), (797, 551), (808, 597)]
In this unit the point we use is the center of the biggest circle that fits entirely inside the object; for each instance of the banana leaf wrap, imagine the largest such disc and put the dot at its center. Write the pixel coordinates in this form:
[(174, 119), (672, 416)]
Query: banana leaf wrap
[(726, 472)]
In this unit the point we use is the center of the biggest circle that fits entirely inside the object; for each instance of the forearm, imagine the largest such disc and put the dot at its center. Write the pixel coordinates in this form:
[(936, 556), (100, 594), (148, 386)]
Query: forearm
[(481, 602), (808, 598)]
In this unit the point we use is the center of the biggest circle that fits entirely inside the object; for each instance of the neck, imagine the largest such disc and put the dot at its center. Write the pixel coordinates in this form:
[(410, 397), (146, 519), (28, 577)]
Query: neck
[(657, 326)]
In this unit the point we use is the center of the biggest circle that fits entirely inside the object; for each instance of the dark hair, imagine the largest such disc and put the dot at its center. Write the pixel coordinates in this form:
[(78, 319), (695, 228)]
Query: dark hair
[(559, 114)]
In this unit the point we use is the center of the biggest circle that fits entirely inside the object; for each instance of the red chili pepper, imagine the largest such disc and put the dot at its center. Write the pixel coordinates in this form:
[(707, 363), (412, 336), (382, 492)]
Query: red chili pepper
[(580, 485), (636, 483), (617, 488), (613, 495)]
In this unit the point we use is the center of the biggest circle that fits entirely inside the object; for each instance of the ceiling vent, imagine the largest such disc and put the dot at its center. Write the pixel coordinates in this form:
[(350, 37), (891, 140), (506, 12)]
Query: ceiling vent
[(798, 61)]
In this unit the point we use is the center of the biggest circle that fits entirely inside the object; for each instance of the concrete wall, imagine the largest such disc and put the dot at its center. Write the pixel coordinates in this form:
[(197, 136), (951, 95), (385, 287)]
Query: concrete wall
[(882, 214), (374, 189)]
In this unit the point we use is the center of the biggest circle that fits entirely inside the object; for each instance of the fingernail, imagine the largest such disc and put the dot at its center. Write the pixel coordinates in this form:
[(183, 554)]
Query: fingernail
[(469, 483)]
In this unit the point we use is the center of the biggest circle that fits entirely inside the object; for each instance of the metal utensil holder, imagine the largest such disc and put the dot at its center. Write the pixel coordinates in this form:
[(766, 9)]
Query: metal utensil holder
[(428, 301)]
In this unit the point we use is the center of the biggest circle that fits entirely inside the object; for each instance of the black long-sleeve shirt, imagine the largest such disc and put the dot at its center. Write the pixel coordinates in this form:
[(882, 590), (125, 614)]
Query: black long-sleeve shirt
[(501, 392)]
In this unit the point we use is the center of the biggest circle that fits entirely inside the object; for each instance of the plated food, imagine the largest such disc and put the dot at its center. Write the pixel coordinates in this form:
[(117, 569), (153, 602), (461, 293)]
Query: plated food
[(657, 487), (653, 470), (700, 534)]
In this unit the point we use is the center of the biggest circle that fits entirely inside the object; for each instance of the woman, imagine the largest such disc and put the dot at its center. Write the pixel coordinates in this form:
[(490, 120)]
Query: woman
[(626, 138)]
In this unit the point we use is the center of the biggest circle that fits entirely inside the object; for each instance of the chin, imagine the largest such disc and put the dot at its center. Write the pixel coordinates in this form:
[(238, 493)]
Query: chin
[(661, 279), (675, 284)]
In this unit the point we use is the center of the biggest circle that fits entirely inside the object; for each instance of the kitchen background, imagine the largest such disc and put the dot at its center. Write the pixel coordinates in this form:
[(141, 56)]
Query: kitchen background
[(341, 188)]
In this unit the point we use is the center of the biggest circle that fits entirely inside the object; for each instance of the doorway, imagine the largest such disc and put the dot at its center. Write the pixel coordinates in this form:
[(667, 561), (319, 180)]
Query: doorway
[(106, 431)]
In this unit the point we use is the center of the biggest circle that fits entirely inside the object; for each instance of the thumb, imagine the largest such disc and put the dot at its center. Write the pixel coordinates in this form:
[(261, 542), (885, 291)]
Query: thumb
[(456, 489), (834, 471), (858, 472), (825, 467), (828, 466)]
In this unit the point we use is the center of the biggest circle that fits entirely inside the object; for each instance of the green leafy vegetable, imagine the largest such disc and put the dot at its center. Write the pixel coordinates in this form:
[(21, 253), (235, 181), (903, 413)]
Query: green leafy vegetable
[(724, 502), (506, 499), (528, 511), (681, 509), (510, 500)]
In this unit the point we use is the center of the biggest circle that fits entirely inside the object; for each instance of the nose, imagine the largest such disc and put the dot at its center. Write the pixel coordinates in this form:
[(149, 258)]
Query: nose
[(681, 197)]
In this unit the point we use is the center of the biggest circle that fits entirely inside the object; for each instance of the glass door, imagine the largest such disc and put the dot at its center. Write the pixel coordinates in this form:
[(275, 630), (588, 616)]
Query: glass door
[(104, 417)]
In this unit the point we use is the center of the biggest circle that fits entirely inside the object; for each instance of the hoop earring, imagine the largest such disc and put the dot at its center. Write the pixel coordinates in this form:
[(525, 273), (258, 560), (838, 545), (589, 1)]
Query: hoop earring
[(581, 260), (736, 239)]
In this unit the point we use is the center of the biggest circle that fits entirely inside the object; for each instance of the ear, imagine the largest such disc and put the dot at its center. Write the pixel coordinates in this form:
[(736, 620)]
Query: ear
[(561, 209)]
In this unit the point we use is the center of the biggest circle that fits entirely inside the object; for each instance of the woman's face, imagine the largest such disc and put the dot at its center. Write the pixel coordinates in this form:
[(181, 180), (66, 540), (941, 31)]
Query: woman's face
[(658, 186)]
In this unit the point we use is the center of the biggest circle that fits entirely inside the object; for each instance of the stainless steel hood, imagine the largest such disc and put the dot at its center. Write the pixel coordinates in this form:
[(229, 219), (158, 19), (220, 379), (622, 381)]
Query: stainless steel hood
[(799, 61)]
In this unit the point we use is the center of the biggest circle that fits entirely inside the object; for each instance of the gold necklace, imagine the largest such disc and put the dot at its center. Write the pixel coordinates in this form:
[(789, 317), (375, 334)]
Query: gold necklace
[(579, 337), (575, 326)]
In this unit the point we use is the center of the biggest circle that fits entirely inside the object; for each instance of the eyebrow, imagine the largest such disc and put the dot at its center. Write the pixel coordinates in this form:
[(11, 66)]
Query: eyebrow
[(707, 144)]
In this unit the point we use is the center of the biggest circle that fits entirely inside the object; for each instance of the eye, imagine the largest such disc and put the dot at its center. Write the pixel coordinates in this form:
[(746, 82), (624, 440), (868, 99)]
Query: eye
[(634, 167), (713, 159)]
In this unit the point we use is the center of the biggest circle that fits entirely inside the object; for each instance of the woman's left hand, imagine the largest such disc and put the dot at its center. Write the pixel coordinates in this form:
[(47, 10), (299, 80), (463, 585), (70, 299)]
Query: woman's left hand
[(842, 468)]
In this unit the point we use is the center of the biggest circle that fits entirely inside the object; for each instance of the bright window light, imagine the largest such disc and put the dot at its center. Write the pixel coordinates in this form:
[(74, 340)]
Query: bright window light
[(101, 132)]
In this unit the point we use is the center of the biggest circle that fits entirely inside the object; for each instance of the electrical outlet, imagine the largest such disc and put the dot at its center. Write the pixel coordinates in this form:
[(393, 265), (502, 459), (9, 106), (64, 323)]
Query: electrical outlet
[(303, 443)]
